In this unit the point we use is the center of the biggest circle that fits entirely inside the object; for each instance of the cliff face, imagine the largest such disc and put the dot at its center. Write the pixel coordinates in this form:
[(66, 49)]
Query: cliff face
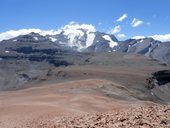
[(159, 84)]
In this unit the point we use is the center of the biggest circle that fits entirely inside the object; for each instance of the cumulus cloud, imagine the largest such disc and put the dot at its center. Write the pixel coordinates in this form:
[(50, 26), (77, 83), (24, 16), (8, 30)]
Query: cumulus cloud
[(120, 19), (163, 38), (70, 28), (138, 37), (115, 30), (74, 29), (73, 22), (74, 26), (14, 33), (121, 35), (136, 22)]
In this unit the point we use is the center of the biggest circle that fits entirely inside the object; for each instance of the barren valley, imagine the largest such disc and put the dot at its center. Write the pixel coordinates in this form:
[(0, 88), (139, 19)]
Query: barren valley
[(94, 94)]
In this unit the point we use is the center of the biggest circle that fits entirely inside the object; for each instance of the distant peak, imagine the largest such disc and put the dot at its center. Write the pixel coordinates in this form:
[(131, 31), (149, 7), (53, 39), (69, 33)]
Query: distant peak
[(34, 34)]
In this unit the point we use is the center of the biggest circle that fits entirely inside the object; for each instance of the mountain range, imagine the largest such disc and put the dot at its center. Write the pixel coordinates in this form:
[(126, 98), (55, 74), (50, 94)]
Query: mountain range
[(80, 71), (83, 39)]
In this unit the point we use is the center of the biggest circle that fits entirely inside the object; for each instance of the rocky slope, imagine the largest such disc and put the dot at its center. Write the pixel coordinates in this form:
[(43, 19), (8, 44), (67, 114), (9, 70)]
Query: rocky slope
[(149, 47), (151, 116)]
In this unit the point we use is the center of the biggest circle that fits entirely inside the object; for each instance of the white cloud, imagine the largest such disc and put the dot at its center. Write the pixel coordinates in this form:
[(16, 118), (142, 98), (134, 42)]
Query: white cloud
[(73, 27), (163, 38), (14, 33), (121, 35), (115, 30), (136, 22), (138, 37), (73, 22), (124, 16)]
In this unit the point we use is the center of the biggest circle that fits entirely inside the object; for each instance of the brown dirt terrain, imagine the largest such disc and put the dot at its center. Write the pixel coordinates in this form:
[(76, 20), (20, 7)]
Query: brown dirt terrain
[(78, 97), (107, 95)]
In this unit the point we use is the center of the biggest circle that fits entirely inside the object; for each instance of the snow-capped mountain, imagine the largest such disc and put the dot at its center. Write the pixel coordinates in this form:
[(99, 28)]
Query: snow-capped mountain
[(75, 36), (82, 38)]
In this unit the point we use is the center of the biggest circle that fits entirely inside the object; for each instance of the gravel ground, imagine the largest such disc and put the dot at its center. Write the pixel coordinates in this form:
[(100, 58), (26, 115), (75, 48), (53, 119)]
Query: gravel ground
[(150, 116)]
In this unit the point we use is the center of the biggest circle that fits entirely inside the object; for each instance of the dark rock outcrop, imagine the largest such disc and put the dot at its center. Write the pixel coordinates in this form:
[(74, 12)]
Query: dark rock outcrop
[(159, 85), (158, 78)]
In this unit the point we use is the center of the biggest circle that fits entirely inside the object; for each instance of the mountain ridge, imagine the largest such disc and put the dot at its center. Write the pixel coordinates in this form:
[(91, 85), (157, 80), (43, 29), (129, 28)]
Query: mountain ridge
[(85, 38)]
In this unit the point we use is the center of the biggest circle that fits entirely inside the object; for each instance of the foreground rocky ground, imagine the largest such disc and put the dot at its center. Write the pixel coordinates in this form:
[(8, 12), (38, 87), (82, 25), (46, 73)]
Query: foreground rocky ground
[(91, 103), (150, 116), (105, 90)]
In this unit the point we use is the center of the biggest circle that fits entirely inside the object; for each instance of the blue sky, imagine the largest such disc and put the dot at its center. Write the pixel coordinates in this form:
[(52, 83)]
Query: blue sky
[(52, 14)]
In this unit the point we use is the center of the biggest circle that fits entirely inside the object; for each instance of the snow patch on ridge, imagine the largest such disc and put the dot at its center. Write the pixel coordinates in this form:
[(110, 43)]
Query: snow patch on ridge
[(90, 39), (35, 38), (141, 41), (53, 39), (111, 42)]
